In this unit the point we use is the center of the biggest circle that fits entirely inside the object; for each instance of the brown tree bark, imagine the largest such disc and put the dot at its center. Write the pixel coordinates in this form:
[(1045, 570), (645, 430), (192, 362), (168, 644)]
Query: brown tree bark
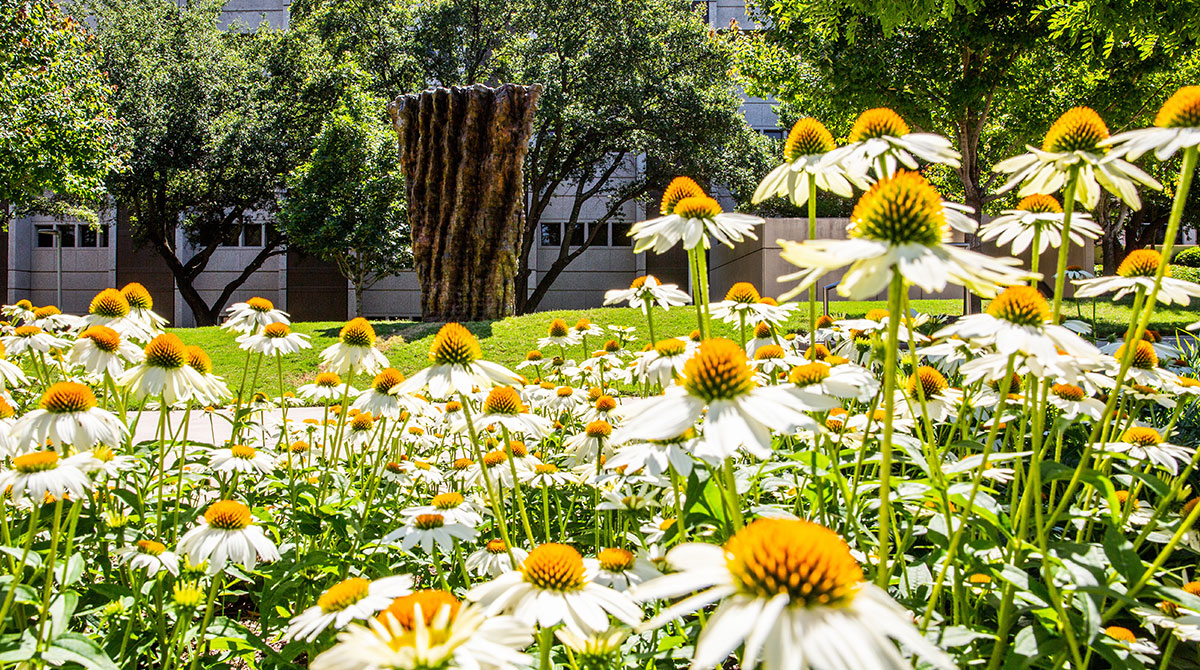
[(462, 150)]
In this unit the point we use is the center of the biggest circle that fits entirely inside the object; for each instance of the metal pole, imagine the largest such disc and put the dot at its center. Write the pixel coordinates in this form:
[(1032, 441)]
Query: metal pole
[(58, 270)]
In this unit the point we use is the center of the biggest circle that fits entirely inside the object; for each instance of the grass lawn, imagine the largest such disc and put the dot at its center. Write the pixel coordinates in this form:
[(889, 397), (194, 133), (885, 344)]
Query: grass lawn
[(406, 343)]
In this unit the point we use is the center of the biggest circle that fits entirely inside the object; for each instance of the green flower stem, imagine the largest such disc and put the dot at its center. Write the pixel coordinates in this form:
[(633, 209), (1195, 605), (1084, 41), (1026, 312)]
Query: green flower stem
[(1060, 277), (512, 465), (16, 581), (735, 501), (493, 497), (163, 410), (55, 526), (545, 641), (209, 610), (679, 518), (891, 350), (649, 321), (700, 280), (812, 235)]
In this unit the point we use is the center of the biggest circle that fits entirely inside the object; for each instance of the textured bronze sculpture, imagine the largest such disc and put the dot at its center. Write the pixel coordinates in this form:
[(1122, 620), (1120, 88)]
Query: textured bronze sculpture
[(462, 151)]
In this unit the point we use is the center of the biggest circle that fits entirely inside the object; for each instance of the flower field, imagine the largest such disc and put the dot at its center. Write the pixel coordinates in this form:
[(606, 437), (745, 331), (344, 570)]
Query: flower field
[(757, 484)]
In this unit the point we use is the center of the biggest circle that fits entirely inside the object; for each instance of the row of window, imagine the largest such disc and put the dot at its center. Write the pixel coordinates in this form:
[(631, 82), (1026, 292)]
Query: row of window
[(73, 235), (249, 235), (613, 235)]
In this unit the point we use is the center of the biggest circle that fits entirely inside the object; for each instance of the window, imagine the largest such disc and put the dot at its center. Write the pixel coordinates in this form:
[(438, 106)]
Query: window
[(71, 235), (620, 235), (773, 133), (551, 234), (252, 235), (578, 234)]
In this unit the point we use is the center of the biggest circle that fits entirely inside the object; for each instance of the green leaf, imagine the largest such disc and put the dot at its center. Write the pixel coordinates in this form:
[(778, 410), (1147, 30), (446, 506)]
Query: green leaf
[(1120, 553), (78, 648)]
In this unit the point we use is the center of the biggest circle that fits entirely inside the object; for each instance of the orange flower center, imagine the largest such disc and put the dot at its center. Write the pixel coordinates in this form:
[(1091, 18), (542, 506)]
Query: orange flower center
[(554, 566)]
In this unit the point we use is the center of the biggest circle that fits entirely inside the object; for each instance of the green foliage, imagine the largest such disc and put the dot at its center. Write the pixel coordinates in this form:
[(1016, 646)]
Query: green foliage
[(57, 127), (1189, 257), (1186, 272), (208, 143), (345, 204)]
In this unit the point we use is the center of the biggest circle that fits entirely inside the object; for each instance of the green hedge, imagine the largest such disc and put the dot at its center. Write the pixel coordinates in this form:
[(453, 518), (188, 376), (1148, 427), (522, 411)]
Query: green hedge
[(1185, 273), (1189, 257)]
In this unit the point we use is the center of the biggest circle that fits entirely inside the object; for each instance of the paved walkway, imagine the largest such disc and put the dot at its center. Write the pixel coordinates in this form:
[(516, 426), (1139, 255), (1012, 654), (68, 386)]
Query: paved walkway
[(204, 427)]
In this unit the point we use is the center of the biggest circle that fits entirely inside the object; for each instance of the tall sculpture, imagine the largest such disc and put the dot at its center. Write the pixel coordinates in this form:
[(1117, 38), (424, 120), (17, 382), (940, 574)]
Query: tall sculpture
[(462, 150)]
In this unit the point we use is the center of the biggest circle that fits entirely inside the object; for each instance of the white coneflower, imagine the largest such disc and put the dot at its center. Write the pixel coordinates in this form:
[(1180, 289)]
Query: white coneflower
[(457, 366), (51, 318), (1177, 126), (587, 445), (430, 629), (656, 455), (19, 312), (1145, 444), (793, 594), (11, 375), (349, 600), (110, 308), (226, 534), (101, 349), (664, 363), (252, 315), (805, 168), (452, 506), (688, 214), (378, 399), (214, 390), (35, 475), (164, 371), (622, 569), (899, 225), (492, 559), (354, 350), (241, 458), (554, 585), (559, 334), (1076, 142), (1019, 321), (275, 339), (67, 415), (26, 339), (646, 290), (741, 414), (150, 556), (326, 387), (503, 406), (141, 308), (881, 141), (1040, 216), (1138, 271), (429, 530)]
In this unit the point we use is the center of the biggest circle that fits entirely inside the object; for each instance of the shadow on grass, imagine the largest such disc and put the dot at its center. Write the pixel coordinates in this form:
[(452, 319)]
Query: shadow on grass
[(411, 331)]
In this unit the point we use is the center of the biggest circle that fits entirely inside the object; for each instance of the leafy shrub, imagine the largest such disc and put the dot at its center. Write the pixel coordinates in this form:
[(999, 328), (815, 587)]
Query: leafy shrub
[(1189, 257), (1184, 272)]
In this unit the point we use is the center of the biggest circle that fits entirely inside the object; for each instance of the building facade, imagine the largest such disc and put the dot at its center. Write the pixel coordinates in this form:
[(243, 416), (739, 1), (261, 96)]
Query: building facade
[(67, 263)]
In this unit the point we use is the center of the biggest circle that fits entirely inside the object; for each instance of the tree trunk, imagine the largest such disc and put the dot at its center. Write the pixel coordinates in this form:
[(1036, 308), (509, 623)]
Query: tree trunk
[(462, 150)]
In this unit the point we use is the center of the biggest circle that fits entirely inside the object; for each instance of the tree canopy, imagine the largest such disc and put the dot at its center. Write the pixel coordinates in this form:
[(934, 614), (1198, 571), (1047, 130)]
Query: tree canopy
[(57, 126)]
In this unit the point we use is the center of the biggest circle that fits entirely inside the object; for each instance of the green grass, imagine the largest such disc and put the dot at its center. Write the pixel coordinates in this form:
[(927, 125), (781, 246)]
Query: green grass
[(406, 343)]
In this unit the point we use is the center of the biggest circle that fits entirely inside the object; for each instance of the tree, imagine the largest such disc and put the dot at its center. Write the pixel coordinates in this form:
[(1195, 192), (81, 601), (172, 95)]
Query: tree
[(208, 143), (57, 127), (624, 81), (345, 204)]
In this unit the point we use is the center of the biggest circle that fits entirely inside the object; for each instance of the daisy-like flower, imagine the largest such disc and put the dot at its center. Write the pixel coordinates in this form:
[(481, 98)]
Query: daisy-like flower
[(492, 559), (1037, 215), (275, 339), (150, 556), (214, 391), (847, 381), (559, 334), (348, 600), (110, 308), (622, 569), (26, 339), (741, 414), (164, 371), (452, 506), (226, 534), (253, 315), (688, 214), (67, 415), (585, 446), (600, 650), (355, 350), (647, 290), (428, 530), (1076, 142), (742, 305), (51, 318), (503, 406), (1126, 639), (805, 167), (1177, 126), (430, 629), (899, 225), (1138, 271), (19, 312), (379, 399), (101, 349), (241, 458), (1074, 272), (773, 360), (1019, 321), (457, 366), (11, 375), (1074, 402), (554, 585), (327, 387), (655, 456), (35, 475), (880, 140), (1143, 443), (141, 308), (793, 594), (661, 365)]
